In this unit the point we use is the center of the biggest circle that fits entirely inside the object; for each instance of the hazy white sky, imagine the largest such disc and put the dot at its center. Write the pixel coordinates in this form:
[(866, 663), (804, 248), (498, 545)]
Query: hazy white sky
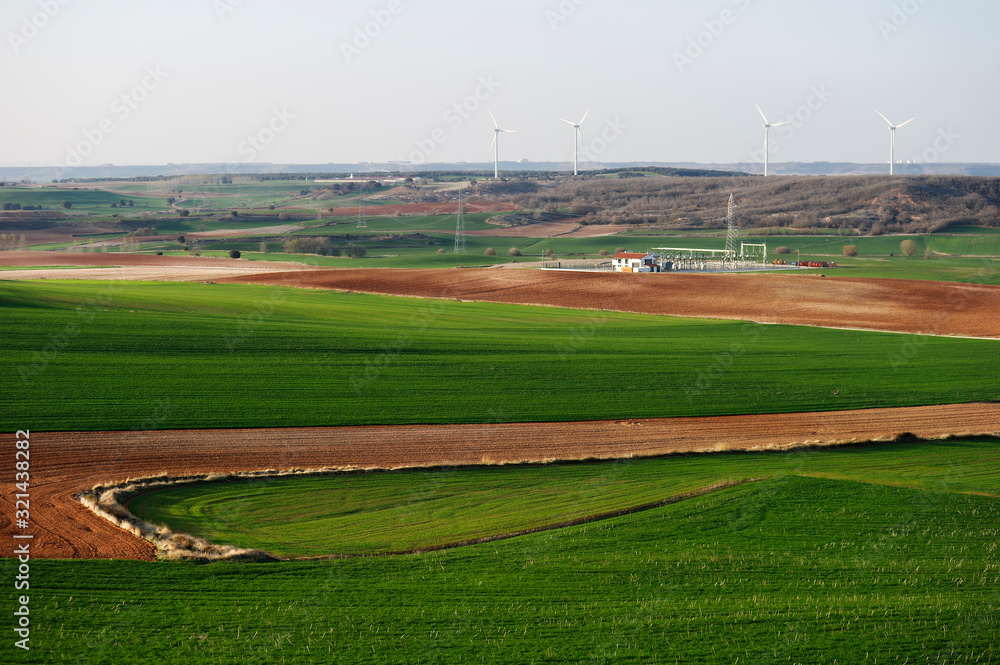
[(157, 81)]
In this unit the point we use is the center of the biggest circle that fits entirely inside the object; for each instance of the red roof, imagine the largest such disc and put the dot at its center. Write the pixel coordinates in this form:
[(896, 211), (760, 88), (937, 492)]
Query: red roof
[(629, 255)]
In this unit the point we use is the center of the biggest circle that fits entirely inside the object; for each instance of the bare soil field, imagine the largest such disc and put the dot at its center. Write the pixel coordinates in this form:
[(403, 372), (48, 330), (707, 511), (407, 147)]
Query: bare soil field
[(230, 233), (65, 463), (596, 231), (910, 306), (119, 266)]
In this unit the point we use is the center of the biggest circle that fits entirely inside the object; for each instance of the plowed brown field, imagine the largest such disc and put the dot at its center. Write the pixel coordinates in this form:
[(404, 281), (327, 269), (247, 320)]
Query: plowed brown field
[(912, 306), (64, 463)]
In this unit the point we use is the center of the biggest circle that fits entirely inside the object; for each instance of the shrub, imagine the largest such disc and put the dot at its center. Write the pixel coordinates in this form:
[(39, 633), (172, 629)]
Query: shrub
[(549, 253), (67, 204), (180, 239), (234, 253), (850, 250), (909, 247), (263, 247), (604, 252), (783, 250), (159, 253), (490, 251), (440, 251), (195, 251), (927, 252), (620, 250), (183, 213), (514, 251), (355, 251), (234, 213), (283, 217)]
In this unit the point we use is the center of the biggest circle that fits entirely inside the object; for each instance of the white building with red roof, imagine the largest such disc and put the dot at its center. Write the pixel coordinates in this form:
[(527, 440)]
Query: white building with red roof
[(635, 262)]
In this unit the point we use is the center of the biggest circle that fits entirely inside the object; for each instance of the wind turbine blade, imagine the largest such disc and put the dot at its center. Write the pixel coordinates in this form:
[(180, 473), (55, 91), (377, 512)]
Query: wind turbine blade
[(584, 117), (580, 134), (494, 119), (509, 131), (884, 118), (905, 123), (567, 122), (779, 124), (762, 114), (490, 149)]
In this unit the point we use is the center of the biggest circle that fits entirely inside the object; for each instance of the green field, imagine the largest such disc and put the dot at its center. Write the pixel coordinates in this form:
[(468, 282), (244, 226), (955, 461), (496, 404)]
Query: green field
[(98, 355), (792, 569), (406, 224), (366, 513), (84, 200)]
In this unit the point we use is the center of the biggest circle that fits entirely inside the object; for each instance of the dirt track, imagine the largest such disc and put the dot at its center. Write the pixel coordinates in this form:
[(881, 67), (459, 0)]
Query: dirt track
[(913, 306), (63, 463), (136, 266)]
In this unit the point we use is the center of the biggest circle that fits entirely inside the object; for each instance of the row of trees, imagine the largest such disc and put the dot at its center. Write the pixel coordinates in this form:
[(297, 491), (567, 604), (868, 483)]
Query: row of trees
[(10, 205), (322, 247), (10, 241)]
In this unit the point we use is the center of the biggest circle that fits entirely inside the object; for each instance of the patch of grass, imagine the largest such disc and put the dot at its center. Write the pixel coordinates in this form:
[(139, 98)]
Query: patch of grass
[(102, 355), (406, 224), (83, 199), (371, 513)]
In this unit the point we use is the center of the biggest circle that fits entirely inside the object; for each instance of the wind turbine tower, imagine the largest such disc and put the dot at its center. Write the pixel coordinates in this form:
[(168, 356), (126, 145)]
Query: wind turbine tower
[(767, 129), (577, 140), (496, 144), (892, 139), (460, 228)]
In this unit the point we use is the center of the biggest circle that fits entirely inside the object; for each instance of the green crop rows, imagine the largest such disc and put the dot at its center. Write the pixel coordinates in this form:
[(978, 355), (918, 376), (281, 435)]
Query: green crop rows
[(367, 513), (792, 569), (106, 355)]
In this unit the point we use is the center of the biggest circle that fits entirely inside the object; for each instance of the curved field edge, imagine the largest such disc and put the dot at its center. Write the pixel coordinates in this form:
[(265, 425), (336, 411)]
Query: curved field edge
[(410, 510), (116, 504), (142, 356), (792, 570)]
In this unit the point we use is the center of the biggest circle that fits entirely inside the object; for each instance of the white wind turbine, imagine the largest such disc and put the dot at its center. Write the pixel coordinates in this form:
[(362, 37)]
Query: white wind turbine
[(892, 140), (767, 130), (577, 139), (496, 144)]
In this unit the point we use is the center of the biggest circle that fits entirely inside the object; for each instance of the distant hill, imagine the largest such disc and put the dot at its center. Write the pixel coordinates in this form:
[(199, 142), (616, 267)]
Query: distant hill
[(873, 204), (112, 171)]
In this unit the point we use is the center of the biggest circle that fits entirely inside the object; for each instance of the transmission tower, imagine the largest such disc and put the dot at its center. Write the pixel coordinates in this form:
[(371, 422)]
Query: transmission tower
[(460, 228), (731, 230), (362, 217)]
